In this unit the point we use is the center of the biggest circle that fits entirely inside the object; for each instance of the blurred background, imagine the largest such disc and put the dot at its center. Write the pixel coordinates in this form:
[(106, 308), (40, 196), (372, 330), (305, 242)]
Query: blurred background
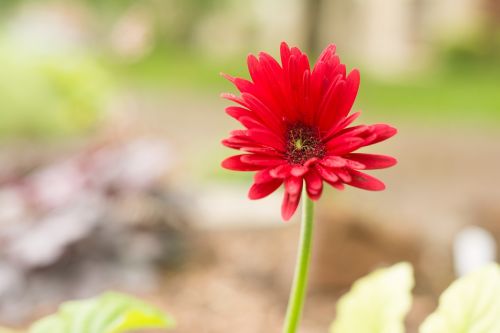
[(110, 155)]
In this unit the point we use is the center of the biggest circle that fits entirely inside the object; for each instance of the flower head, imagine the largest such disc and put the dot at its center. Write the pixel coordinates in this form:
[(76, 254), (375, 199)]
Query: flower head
[(297, 127)]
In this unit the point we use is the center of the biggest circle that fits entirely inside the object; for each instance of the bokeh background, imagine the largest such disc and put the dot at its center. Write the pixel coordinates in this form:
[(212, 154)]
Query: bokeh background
[(110, 155)]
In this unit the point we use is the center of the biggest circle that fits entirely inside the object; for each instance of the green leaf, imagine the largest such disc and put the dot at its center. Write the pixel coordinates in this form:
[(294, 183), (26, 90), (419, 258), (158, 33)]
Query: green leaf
[(108, 313), (377, 303), (470, 305)]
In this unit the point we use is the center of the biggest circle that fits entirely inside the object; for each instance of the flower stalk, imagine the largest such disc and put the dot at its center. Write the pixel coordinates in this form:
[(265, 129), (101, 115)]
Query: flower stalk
[(299, 286)]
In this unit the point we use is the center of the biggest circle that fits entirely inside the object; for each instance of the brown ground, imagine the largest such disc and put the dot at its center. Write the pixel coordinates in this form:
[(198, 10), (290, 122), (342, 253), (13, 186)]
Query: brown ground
[(240, 281)]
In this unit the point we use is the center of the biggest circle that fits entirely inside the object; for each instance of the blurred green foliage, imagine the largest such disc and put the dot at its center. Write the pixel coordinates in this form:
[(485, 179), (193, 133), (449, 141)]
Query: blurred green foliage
[(110, 312), (46, 95)]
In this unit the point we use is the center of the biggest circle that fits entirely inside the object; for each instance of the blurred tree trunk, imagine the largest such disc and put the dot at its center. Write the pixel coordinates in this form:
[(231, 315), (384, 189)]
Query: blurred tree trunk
[(312, 25)]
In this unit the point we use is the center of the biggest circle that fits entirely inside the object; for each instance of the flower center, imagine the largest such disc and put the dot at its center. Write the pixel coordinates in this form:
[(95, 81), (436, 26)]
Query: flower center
[(303, 143)]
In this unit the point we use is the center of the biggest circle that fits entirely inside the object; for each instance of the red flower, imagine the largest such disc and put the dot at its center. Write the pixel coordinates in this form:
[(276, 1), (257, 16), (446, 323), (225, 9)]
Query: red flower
[(296, 127)]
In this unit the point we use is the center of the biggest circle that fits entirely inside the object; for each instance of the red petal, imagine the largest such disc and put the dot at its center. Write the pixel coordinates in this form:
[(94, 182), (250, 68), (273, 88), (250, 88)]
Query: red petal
[(372, 161), (327, 53), (262, 190), (291, 199), (333, 162), (266, 138), (355, 165), (238, 143), (311, 161), (241, 84), (338, 107), (262, 176), (281, 171), (327, 174), (254, 68), (304, 99), (303, 62), (344, 175), (366, 182), (299, 170), (237, 112), (235, 163), (261, 151), (351, 91), (271, 66), (250, 122), (340, 126), (240, 134), (261, 160), (382, 132), (346, 145), (262, 110), (285, 54), (331, 100), (338, 185), (349, 120), (316, 81), (351, 132), (233, 98), (314, 184), (293, 185)]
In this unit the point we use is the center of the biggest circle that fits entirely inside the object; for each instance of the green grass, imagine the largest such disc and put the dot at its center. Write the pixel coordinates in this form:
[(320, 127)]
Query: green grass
[(177, 69), (452, 96)]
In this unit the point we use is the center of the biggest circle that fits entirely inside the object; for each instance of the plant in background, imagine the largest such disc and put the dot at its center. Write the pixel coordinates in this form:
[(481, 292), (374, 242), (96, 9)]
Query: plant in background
[(298, 134), (379, 302), (109, 313)]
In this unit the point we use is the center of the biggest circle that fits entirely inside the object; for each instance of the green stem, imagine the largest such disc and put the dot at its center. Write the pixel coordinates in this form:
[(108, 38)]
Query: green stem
[(298, 292)]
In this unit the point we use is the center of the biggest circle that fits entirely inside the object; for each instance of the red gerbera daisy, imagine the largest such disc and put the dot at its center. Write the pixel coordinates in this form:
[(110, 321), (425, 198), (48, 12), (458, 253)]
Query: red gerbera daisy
[(296, 121)]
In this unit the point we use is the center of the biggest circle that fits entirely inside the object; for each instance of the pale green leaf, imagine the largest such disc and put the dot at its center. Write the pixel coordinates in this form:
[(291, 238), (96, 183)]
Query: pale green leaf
[(470, 305), (376, 303), (108, 313)]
